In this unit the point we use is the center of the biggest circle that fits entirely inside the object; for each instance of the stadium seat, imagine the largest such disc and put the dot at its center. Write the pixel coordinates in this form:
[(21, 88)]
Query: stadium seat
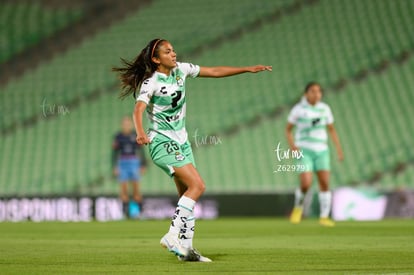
[(328, 41)]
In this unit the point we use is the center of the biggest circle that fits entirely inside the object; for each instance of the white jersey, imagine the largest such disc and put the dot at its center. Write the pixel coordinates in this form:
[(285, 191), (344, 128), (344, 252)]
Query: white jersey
[(165, 99), (311, 122)]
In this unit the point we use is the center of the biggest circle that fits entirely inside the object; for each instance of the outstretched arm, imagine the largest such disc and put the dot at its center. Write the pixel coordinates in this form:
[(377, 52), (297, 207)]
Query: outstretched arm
[(223, 71)]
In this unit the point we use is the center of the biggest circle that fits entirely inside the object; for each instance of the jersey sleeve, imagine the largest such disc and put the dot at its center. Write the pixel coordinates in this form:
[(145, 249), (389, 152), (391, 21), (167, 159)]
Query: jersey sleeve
[(146, 91), (190, 69), (293, 115), (329, 115)]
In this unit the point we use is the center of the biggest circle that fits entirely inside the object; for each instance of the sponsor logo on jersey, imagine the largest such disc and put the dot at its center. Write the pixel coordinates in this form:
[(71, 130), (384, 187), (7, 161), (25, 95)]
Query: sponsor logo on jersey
[(172, 118), (316, 121)]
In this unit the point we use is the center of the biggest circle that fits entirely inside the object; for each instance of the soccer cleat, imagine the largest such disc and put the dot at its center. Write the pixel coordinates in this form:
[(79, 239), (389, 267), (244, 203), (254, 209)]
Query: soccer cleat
[(296, 215), (173, 244), (194, 256), (326, 222)]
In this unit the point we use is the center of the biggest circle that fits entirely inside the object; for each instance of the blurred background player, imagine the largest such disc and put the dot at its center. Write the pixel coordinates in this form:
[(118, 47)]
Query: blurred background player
[(311, 118), (128, 164)]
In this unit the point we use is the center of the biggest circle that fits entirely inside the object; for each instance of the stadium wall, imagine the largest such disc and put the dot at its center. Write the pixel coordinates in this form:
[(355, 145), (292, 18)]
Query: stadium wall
[(348, 204)]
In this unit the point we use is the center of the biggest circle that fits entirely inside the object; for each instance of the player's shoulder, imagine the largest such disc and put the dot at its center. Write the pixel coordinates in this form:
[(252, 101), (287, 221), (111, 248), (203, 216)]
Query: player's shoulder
[(150, 80), (149, 85), (298, 106), (187, 67), (184, 65), (324, 105)]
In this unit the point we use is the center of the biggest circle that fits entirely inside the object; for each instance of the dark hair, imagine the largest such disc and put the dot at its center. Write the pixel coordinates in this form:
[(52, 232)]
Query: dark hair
[(133, 73), (310, 84)]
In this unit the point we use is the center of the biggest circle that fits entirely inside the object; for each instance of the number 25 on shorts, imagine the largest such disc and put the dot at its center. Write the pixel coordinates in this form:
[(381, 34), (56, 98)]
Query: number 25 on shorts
[(171, 146)]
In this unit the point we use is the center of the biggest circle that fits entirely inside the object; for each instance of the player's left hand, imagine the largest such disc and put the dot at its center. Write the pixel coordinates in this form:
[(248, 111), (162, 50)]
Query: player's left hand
[(115, 172), (260, 68)]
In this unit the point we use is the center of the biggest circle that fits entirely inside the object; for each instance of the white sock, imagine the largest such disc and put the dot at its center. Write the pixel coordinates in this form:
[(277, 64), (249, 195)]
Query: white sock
[(187, 233), (325, 201), (299, 197), (184, 210)]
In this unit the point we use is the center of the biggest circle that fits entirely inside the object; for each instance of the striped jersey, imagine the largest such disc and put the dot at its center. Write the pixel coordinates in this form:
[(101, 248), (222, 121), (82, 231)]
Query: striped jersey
[(166, 104), (311, 121)]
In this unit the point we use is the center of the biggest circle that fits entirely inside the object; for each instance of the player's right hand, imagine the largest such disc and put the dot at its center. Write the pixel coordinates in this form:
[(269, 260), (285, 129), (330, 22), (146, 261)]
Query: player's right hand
[(142, 139)]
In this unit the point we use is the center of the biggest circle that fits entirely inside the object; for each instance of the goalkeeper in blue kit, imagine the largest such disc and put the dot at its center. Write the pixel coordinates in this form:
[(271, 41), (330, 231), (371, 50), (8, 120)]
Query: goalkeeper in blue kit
[(128, 164)]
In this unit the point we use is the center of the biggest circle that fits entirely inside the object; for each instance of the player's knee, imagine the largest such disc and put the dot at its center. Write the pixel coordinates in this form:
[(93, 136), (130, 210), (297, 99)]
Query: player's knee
[(305, 185), (200, 186)]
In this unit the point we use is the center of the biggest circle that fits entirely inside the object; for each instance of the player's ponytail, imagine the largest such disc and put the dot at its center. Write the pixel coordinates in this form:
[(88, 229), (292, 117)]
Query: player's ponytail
[(133, 73)]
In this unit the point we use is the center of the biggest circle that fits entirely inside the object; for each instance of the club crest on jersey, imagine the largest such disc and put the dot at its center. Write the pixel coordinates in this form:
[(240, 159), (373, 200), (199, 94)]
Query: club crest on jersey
[(180, 81), (179, 156)]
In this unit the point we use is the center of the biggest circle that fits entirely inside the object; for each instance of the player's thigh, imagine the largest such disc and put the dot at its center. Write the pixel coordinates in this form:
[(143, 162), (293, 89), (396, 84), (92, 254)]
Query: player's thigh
[(308, 164), (188, 176), (323, 167), (168, 154), (322, 161)]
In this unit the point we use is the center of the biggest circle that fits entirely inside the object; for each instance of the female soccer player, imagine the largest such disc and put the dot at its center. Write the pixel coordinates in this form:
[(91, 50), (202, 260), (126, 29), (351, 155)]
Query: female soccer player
[(311, 118), (161, 80), (128, 163)]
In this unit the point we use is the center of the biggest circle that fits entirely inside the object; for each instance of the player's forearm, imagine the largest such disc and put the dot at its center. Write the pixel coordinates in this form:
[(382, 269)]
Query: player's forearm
[(142, 137), (335, 140), (291, 141), (114, 157), (289, 137), (227, 71), (223, 71), (137, 117)]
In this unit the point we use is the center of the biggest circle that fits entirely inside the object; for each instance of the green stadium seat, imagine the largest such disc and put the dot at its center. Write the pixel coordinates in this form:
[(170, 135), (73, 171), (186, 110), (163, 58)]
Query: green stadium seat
[(25, 24), (328, 41)]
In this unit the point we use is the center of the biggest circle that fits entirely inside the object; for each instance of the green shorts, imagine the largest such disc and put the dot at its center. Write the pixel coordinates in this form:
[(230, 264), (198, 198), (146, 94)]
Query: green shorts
[(167, 153), (315, 161)]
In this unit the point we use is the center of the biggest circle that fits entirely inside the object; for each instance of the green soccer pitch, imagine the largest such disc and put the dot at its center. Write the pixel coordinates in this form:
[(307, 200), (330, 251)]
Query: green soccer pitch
[(236, 245)]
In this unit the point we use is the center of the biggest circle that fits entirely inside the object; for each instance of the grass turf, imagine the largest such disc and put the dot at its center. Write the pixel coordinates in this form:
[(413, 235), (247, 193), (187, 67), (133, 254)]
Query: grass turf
[(236, 245)]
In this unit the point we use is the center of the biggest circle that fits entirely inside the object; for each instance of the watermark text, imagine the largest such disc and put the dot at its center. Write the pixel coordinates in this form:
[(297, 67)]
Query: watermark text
[(53, 109), (201, 140)]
